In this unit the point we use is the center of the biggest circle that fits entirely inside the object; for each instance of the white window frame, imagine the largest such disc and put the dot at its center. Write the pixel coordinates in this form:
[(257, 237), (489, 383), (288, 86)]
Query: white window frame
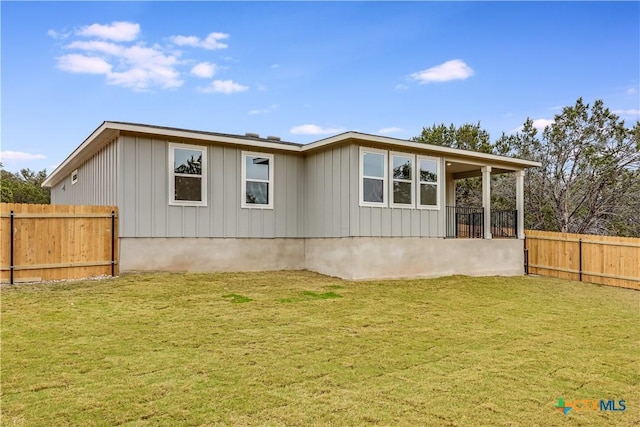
[(243, 189), (419, 182), (74, 176), (385, 179), (411, 205), (172, 182)]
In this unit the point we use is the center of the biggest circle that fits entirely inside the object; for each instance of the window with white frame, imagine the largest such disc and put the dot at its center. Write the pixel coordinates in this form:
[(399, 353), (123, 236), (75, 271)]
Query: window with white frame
[(257, 180), (428, 184), (373, 177), (402, 189), (187, 177), (74, 176)]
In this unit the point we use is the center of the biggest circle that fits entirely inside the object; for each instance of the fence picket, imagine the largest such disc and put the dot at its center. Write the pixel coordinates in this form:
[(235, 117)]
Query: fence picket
[(606, 260), (55, 242)]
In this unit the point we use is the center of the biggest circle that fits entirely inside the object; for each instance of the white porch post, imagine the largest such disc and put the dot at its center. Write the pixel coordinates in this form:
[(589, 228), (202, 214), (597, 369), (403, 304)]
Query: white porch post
[(486, 200), (451, 190), (520, 203)]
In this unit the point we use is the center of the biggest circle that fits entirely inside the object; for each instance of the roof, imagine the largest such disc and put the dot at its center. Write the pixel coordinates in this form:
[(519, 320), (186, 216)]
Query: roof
[(109, 130)]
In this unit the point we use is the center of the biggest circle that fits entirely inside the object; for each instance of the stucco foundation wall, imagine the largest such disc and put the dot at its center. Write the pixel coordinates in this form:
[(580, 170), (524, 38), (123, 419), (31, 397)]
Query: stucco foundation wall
[(210, 254), (359, 258)]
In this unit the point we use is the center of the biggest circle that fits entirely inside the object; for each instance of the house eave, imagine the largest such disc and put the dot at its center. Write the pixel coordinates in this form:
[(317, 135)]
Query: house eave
[(405, 145)]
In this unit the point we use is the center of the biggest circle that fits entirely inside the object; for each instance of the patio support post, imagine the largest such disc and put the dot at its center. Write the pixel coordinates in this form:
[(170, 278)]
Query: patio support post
[(520, 203), (486, 200), (450, 186)]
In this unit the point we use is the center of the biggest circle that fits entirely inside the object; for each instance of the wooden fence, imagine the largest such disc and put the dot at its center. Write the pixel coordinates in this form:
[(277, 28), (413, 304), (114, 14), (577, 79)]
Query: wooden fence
[(54, 242), (613, 261)]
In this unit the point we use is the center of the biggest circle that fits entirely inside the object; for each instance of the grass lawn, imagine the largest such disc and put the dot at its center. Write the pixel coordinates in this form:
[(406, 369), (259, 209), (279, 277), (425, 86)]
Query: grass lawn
[(298, 348)]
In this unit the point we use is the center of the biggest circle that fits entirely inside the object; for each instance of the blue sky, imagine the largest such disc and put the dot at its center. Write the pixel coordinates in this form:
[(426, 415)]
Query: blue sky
[(304, 70)]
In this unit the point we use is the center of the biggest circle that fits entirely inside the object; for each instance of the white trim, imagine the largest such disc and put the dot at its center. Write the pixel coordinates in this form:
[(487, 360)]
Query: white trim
[(385, 178), (411, 180), (108, 130), (74, 176), (203, 149), (243, 186), (437, 183)]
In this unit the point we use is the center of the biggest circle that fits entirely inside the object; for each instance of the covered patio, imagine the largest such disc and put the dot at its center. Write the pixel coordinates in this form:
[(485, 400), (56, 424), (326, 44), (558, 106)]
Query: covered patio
[(482, 222)]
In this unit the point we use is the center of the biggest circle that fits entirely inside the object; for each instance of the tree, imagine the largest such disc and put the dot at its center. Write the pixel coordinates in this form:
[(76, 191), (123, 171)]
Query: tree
[(589, 181), (23, 187)]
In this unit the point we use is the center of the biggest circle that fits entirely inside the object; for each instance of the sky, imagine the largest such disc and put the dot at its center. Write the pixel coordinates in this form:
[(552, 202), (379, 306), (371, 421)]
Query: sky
[(304, 70)]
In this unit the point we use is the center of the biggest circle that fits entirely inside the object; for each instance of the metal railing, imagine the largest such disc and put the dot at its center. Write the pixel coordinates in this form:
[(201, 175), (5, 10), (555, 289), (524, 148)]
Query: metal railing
[(463, 222), (504, 223)]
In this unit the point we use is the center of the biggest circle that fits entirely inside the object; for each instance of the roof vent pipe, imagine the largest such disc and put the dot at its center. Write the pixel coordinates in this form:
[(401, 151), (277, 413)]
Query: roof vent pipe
[(252, 135)]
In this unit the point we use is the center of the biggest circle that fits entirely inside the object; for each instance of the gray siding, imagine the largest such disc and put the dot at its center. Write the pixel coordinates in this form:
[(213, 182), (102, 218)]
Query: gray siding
[(332, 202), (144, 196), (96, 183)]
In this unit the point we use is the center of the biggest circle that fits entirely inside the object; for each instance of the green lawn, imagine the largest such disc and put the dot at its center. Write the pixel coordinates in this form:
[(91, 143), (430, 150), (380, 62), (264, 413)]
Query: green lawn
[(298, 348)]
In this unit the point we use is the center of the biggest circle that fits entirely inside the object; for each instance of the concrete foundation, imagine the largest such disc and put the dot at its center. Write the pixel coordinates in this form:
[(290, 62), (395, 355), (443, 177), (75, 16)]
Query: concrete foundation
[(351, 258), (210, 254), (385, 258)]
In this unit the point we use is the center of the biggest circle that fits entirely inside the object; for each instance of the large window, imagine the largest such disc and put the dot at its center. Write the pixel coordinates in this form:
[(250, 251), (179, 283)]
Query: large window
[(402, 180), (257, 180), (428, 183), (373, 177), (187, 177)]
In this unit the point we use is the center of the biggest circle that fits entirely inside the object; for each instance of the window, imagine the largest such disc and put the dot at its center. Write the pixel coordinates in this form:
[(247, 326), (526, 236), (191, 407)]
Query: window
[(402, 180), (373, 177), (187, 177), (428, 194), (257, 180), (74, 176)]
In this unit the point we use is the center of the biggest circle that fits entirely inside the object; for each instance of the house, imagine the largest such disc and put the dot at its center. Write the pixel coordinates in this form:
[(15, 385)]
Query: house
[(353, 205)]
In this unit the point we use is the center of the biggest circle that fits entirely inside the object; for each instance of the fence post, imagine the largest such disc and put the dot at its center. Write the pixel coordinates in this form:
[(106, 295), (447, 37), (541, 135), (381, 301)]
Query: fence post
[(11, 236), (526, 256), (113, 245), (580, 256)]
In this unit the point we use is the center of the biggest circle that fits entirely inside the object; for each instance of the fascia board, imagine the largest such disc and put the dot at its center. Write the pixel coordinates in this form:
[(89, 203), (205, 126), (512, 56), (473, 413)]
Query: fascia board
[(418, 146)]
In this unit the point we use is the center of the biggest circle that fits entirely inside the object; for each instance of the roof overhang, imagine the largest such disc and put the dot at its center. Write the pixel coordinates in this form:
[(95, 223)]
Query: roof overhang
[(469, 162), (501, 164)]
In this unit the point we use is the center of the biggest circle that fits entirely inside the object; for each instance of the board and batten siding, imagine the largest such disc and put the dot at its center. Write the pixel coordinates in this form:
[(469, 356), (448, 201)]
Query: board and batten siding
[(333, 208), (96, 183), (143, 195)]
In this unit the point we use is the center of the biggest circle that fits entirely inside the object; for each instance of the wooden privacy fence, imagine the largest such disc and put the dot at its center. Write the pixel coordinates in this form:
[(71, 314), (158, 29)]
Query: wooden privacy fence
[(54, 242), (607, 260)]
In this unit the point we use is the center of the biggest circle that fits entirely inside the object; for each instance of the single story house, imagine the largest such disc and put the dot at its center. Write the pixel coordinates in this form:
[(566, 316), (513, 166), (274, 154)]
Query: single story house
[(353, 205)]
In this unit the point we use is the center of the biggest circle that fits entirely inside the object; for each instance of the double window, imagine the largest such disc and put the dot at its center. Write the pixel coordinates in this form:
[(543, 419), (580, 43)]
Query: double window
[(188, 179), (413, 180), (257, 180)]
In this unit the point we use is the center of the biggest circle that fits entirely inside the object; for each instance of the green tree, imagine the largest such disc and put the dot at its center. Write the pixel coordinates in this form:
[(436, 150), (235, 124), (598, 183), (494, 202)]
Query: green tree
[(588, 181), (23, 187)]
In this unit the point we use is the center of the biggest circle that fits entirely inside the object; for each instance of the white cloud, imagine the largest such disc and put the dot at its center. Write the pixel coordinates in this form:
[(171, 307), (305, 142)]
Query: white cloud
[(401, 87), (97, 46), (205, 70), (117, 31), (539, 124), (57, 35), (632, 90), (313, 130), (137, 67), (389, 130), (627, 112), (211, 42), (264, 110), (20, 156), (77, 63), (455, 69), (223, 86)]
